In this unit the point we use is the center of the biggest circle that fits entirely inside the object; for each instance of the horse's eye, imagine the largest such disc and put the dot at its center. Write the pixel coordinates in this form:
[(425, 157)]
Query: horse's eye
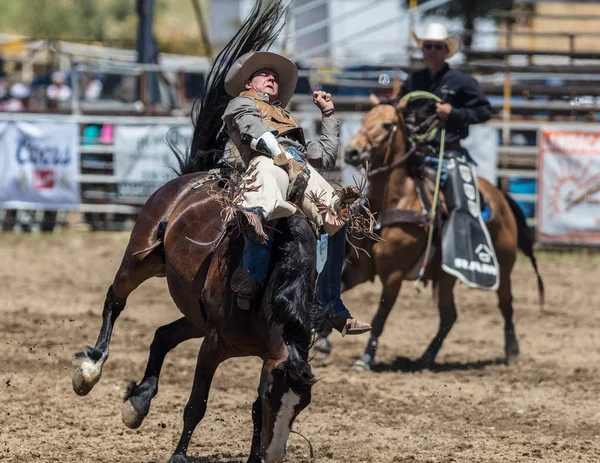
[(388, 126)]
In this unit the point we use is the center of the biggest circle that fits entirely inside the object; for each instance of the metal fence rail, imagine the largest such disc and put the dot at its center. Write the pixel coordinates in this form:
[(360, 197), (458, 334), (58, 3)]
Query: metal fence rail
[(101, 208)]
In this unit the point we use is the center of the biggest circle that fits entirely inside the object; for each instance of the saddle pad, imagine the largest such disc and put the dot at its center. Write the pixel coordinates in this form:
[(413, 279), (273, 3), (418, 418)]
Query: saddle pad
[(467, 251)]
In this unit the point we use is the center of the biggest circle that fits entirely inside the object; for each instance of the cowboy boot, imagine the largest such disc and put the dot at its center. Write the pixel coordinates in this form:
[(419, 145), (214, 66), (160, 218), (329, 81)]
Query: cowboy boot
[(245, 287), (345, 324), (248, 279), (329, 287)]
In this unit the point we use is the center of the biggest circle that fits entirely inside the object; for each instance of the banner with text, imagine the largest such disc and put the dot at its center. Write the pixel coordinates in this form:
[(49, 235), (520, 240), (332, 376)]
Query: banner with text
[(569, 187), (39, 165), (143, 159)]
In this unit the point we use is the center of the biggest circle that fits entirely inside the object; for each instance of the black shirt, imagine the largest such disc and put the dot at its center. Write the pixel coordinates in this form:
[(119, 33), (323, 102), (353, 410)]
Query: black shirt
[(469, 104)]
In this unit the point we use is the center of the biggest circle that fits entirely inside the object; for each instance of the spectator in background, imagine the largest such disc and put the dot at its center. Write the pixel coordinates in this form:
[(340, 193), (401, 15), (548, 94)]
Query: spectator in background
[(19, 98), (58, 91), (93, 89)]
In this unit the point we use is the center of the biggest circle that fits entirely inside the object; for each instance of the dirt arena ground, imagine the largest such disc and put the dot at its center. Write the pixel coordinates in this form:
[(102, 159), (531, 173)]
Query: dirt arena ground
[(544, 407)]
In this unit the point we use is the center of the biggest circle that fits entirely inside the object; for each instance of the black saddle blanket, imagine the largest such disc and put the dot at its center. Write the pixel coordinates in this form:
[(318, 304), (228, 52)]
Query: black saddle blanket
[(467, 251)]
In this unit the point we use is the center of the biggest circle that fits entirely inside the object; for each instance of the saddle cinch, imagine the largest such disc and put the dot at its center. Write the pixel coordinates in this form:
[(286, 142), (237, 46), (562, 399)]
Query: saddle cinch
[(460, 229)]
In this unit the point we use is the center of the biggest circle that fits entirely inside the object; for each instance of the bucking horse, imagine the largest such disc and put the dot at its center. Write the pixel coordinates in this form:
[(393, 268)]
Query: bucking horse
[(183, 235)]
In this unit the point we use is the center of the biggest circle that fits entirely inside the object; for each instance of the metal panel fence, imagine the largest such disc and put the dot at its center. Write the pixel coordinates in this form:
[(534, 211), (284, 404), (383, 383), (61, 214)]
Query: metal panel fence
[(102, 209)]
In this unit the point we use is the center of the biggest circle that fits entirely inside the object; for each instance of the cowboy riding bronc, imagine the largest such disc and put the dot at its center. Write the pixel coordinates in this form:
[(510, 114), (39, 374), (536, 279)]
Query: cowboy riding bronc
[(278, 161), (467, 252)]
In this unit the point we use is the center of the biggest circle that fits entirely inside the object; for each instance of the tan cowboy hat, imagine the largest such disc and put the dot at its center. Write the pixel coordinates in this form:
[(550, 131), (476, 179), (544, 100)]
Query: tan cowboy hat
[(253, 61), (437, 32)]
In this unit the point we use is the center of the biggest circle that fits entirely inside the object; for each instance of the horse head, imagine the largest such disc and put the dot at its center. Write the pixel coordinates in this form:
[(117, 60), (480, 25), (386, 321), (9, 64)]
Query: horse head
[(381, 134), (285, 390)]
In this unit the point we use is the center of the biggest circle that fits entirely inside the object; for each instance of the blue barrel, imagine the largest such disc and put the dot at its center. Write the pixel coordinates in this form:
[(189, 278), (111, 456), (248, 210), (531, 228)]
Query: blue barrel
[(518, 185)]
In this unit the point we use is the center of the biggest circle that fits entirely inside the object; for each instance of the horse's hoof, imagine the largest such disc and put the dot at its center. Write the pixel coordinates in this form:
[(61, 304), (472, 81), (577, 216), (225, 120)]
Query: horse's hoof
[(178, 459), (131, 417), (85, 377), (364, 363), (511, 345)]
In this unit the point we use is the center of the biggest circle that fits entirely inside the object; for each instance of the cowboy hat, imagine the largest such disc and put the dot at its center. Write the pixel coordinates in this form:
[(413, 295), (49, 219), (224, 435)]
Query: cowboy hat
[(436, 32), (247, 64)]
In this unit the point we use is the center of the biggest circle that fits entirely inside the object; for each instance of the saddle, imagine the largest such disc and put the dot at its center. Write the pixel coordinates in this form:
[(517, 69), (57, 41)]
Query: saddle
[(460, 230)]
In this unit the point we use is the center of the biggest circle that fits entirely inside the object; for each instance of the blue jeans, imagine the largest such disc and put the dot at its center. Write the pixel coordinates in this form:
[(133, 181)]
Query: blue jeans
[(257, 256), (432, 161), (331, 251)]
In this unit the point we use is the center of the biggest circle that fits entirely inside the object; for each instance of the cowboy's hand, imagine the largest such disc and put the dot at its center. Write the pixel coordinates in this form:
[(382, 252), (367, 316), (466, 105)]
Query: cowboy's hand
[(443, 110), (322, 100)]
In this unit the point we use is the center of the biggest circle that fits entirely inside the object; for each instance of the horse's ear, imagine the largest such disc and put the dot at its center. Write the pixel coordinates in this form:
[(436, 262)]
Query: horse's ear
[(374, 100), (401, 105)]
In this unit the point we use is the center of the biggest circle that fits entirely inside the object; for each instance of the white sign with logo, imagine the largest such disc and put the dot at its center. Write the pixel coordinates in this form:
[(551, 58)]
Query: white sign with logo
[(569, 187), (39, 165), (143, 159)]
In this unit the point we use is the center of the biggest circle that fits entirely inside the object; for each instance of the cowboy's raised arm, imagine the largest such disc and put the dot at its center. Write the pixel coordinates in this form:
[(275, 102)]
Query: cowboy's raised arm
[(323, 153)]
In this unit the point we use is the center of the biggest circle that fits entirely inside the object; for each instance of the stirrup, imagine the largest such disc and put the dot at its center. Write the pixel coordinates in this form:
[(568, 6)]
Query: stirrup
[(245, 287)]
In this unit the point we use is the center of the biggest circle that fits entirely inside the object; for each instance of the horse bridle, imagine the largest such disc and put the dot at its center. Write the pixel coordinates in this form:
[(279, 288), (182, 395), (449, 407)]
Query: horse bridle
[(414, 137)]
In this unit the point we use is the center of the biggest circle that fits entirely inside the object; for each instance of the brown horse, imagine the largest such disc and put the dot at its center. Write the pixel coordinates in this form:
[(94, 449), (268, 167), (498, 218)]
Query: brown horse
[(180, 235), (382, 142)]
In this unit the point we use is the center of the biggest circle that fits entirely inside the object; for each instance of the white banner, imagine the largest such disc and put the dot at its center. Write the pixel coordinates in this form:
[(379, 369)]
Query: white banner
[(569, 187), (39, 165), (143, 159), (482, 145)]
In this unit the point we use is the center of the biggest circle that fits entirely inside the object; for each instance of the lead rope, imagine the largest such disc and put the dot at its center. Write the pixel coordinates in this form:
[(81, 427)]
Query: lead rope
[(436, 192)]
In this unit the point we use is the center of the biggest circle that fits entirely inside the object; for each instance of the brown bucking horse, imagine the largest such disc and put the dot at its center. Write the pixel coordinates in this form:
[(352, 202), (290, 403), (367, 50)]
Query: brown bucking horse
[(381, 142), (180, 235)]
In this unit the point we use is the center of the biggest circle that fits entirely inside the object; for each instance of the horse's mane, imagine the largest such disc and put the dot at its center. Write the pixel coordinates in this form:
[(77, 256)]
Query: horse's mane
[(294, 300), (257, 32)]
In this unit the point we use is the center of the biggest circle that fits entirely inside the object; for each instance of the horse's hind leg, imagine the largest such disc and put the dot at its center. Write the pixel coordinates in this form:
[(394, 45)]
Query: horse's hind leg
[(138, 396), (443, 298), (132, 273), (505, 300), (209, 358)]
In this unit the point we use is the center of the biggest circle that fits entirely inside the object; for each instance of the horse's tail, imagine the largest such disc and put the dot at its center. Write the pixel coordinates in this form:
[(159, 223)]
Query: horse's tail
[(525, 240), (294, 299)]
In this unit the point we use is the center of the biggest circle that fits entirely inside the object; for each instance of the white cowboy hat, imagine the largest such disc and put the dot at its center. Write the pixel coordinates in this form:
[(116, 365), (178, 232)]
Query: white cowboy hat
[(437, 32), (253, 61)]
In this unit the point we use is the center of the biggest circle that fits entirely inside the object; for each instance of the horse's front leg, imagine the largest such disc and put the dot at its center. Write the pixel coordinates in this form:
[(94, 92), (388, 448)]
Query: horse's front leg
[(210, 356), (255, 450), (443, 298), (138, 396)]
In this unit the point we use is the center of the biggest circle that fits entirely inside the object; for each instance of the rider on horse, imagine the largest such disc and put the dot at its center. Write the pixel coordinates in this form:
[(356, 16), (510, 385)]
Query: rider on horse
[(463, 103), (276, 155), (466, 247)]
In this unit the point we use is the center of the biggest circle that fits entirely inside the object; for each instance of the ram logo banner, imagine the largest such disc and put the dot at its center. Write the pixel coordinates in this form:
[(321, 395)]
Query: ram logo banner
[(39, 165), (143, 159), (569, 187)]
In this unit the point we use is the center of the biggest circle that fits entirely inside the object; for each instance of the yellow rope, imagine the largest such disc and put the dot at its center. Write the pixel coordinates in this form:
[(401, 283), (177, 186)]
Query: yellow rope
[(436, 193), (427, 137)]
